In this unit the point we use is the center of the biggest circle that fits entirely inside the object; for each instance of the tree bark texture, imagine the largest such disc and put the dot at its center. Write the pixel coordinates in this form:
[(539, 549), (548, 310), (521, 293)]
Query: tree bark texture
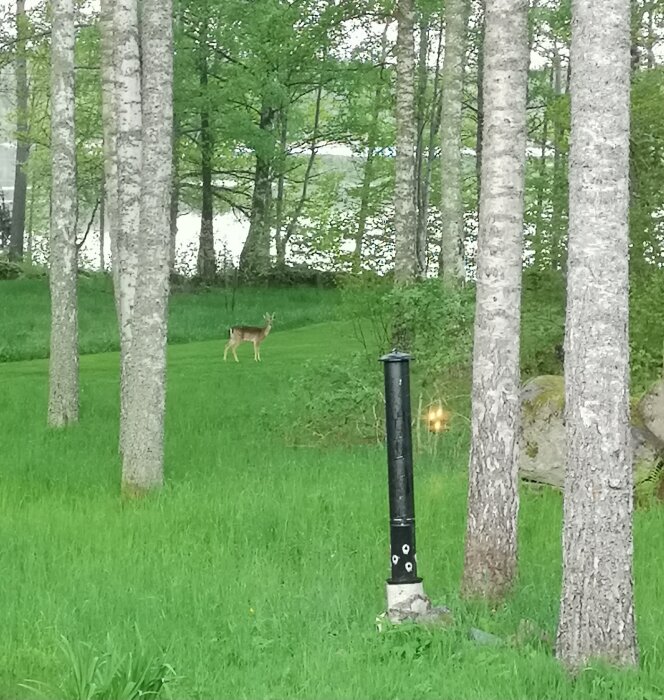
[(63, 363), (128, 147), (143, 442), (491, 537), (597, 605), (452, 266), (255, 256), (17, 235), (405, 212), (207, 261)]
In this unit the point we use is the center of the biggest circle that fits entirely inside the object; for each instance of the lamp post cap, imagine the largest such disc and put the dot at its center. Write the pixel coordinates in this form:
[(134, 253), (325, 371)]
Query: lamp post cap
[(396, 356)]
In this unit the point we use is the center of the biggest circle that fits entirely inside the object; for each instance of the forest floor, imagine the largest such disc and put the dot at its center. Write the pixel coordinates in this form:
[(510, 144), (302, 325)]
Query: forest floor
[(259, 571)]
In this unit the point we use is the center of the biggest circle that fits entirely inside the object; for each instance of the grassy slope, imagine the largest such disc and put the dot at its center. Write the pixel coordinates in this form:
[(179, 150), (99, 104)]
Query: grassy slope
[(261, 567), (25, 314)]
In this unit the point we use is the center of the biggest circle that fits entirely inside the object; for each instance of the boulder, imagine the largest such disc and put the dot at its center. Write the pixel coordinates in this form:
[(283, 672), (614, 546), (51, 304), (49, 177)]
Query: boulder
[(542, 457), (651, 412)]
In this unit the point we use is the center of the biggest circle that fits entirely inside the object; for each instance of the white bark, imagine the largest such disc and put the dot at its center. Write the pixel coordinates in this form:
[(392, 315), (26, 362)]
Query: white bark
[(63, 365), (452, 265), (143, 441), (405, 218), (128, 125), (597, 607), (110, 209), (491, 542)]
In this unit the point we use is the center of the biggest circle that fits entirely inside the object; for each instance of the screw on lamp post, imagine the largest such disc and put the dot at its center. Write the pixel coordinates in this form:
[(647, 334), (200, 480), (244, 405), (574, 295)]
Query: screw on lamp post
[(405, 592)]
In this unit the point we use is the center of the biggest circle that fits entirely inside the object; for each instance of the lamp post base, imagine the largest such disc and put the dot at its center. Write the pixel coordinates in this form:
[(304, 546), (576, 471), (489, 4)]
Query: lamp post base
[(407, 602)]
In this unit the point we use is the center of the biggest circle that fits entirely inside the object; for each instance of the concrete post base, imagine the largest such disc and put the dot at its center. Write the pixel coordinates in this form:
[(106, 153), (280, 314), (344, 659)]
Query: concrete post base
[(408, 602)]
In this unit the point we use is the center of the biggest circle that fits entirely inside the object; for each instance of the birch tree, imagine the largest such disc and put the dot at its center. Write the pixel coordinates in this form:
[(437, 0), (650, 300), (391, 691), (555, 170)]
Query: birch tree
[(597, 605), (491, 541), (143, 442), (452, 266), (63, 364), (22, 144), (405, 218), (128, 152)]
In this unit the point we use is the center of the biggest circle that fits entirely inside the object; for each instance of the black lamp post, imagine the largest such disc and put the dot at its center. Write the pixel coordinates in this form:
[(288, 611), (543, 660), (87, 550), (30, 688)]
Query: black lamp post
[(396, 366)]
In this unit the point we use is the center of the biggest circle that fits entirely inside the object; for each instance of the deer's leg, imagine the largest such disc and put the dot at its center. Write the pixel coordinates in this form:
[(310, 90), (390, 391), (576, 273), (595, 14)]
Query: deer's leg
[(256, 355), (228, 344), (233, 347)]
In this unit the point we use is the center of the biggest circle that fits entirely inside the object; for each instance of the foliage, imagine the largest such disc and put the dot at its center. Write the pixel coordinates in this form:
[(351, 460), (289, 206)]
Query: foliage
[(107, 676)]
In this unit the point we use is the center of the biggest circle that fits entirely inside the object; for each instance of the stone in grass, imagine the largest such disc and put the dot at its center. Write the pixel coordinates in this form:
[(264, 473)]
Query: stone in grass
[(542, 457), (484, 638), (651, 411)]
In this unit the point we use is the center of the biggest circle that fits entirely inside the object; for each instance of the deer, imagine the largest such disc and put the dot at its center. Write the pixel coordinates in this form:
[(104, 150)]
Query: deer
[(250, 334)]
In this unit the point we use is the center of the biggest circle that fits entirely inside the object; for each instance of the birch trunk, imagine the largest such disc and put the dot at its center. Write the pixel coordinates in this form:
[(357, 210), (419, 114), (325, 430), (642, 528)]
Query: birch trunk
[(128, 125), (111, 223), (143, 442), (405, 217), (63, 364), (597, 604), (493, 502), (452, 267), (16, 240)]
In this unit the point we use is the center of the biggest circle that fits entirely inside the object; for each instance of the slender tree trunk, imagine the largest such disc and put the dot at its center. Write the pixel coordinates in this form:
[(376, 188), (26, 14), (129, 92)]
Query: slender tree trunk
[(493, 501), (175, 199), (425, 188), (560, 208), (63, 364), (281, 190), (597, 604), (16, 240), (313, 152), (452, 266), (128, 125), (538, 242), (368, 171), (109, 127), (207, 262), (102, 227), (143, 447), (405, 216), (480, 103), (421, 120), (255, 256)]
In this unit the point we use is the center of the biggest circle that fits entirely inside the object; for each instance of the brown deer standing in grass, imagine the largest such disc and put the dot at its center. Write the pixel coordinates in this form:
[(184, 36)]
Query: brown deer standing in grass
[(250, 334)]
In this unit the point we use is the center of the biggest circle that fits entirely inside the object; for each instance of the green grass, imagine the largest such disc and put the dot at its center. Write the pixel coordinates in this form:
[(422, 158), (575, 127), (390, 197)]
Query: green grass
[(25, 314), (259, 570)]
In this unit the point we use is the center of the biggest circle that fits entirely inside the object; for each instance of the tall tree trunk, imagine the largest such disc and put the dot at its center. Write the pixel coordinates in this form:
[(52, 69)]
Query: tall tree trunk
[(16, 240), (281, 190), (368, 170), (421, 120), (452, 267), (405, 217), (128, 125), (102, 227), (143, 448), (424, 190), (597, 604), (538, 241), (175, 199), (63, 363), (109, 128), (493, 500), (480, 102), (560, 207), (207, 263), (255, 256)]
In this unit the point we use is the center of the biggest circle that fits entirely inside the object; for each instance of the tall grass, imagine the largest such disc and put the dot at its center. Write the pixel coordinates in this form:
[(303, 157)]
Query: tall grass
[(25, 314), (261, 567)]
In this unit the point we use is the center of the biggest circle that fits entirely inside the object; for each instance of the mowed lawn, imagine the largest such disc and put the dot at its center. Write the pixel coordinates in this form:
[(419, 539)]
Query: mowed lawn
[(260, 569)]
